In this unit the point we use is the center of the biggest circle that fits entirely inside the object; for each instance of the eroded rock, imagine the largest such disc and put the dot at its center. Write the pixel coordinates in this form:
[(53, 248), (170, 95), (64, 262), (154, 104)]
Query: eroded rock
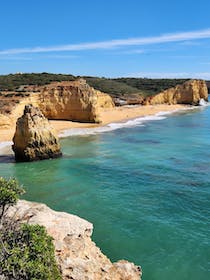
[(75, 101), (35, 139), (190, 92), (77, 255)]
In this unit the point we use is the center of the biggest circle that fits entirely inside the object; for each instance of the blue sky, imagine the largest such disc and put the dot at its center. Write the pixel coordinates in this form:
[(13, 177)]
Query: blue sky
[(111, 38)]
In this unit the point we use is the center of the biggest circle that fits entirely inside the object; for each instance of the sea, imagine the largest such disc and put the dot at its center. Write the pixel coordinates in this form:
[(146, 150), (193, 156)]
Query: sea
[(144, 184)]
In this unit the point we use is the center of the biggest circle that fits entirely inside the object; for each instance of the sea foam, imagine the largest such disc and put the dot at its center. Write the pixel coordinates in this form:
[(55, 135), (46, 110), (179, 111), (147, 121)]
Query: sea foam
[(129, 123), (202, 102), (5, 147), (112, 126)]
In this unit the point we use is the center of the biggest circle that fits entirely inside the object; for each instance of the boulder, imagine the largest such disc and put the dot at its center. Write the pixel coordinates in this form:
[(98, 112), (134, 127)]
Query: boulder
[(77, 255), (190, 92), (34, 138)]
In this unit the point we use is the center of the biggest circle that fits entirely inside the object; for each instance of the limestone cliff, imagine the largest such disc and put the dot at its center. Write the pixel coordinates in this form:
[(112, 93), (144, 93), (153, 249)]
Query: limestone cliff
[(75, 101), (77, 255), (34, 138), (189, 92)]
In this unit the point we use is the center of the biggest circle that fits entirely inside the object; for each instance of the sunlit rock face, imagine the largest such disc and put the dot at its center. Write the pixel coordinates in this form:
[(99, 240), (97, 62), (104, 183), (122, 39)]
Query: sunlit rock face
[(190, 92), (34, 137), (75, 101), (77, 255)]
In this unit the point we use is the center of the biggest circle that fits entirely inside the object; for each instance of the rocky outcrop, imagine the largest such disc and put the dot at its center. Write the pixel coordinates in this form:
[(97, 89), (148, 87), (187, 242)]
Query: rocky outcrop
[(190, 92), (71, 100), (77, 255), (75, 101), (34, 138)]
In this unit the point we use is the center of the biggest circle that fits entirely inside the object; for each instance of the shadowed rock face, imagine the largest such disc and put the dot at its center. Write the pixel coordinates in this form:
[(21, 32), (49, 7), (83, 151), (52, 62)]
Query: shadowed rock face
[(34, 138), (190, 92), (77, 255)]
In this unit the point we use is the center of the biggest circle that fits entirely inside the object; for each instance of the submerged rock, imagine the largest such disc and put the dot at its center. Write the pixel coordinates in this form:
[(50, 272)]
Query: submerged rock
[(190, 92), (34, 138), (77, 255)]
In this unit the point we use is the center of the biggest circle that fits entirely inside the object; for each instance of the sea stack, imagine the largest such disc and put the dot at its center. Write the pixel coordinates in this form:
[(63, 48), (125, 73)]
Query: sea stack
[(35, 139)]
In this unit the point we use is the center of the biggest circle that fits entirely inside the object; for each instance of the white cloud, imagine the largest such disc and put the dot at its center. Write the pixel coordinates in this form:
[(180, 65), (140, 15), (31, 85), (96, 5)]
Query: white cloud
[(138, 51), (205, 63), (171, 75), (165, 38), (190, 43), (14, 58)]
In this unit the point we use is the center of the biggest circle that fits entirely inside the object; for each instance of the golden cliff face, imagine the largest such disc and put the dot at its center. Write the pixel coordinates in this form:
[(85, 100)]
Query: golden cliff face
[(75, 101), (189, 92), (34, 138)]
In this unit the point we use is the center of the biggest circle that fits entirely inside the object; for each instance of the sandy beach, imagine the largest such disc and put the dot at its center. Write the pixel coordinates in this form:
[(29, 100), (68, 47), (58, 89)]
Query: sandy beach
[(117, 114)]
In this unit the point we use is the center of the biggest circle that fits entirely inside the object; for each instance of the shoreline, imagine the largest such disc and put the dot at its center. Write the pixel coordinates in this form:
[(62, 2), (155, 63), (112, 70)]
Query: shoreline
[(111, 119), (117, 115)]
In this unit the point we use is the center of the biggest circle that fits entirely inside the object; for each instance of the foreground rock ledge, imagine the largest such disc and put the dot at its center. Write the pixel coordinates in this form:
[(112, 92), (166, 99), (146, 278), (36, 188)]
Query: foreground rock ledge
[(77, 255), (34, 138)]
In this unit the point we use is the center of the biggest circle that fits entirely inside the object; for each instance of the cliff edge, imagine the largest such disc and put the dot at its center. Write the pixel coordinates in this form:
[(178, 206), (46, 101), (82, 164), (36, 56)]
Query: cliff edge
[(77, 255)]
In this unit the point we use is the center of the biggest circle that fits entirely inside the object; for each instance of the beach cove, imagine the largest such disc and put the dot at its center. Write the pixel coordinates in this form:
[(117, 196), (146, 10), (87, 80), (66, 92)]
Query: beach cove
[(108, 116), (145, 187)]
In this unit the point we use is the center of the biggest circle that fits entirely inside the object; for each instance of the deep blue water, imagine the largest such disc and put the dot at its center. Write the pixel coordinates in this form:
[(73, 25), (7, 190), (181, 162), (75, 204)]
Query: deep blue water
[(145, 188)]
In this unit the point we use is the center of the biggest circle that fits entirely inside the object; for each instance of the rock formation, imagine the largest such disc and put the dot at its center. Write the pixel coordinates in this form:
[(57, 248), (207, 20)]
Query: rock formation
[(34, 138), (77, 255), (75, 101), (189, 92)]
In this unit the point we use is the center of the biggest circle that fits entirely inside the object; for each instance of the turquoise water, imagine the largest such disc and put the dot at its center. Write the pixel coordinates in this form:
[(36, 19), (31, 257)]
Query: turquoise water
[(145, 188)]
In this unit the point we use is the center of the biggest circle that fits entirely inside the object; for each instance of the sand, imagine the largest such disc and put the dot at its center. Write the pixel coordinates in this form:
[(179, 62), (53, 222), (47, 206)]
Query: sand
[(117, 114)]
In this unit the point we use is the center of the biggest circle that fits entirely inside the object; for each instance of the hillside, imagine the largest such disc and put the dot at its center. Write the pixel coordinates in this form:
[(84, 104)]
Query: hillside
[(12, 82), (124, 88)]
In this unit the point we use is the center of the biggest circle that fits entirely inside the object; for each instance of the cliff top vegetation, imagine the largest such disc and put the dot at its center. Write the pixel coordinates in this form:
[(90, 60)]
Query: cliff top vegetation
[(116, 87)]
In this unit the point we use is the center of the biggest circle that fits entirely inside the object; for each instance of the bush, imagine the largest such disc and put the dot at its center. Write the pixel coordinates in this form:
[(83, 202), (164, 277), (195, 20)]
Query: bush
[(9, 194), (26, 251)]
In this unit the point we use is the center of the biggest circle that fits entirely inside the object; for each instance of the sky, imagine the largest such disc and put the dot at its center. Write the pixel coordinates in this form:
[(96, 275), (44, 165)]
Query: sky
[(106, 38)]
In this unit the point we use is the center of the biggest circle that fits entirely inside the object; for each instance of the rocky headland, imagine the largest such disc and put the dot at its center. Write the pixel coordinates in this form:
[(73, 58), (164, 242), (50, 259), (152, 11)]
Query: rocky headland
[(190, 92), (77, 255), (34, 137), (73, 101)]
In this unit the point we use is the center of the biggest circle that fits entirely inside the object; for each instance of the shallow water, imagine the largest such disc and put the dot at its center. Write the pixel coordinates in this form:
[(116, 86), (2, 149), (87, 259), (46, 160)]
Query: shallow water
[(146, 188)]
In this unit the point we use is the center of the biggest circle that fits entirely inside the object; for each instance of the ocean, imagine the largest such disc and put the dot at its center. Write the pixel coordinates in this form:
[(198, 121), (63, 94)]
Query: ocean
[(144, 184)]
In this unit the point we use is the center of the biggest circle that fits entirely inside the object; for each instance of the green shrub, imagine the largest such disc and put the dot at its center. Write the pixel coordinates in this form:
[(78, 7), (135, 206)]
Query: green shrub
[(9, 194), (26, 251)]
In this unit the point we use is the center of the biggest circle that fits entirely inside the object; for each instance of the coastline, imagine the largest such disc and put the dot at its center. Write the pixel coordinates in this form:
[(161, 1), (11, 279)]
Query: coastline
[(117, 115), (111, 119)]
